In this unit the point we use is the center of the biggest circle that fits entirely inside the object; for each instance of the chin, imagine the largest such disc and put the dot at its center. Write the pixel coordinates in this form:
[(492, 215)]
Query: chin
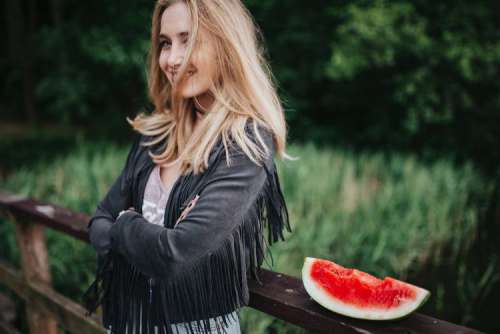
[(190, 93)]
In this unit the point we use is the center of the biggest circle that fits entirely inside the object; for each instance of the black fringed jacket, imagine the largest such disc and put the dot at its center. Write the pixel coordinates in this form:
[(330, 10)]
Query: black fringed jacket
[(198, 268)]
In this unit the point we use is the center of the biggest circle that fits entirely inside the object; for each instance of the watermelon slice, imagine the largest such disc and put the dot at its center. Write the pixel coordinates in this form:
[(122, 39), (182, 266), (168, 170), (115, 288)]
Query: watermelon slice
[(357, 294)]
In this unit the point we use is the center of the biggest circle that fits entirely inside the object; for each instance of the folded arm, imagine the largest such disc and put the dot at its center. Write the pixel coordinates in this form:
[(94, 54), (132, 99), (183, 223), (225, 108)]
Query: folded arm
[(228, 194), (116, 199)]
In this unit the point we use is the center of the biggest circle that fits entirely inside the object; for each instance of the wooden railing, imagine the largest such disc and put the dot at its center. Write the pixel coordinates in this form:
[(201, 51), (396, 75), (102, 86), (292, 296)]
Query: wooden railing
[(282, 296)]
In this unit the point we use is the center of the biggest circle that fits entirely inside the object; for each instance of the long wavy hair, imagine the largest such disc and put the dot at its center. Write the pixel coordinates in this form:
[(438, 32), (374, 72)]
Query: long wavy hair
[(244, 90)]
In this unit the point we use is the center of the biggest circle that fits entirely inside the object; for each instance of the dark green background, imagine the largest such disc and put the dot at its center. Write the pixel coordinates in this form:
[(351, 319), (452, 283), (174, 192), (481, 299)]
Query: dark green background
[(406, 75)]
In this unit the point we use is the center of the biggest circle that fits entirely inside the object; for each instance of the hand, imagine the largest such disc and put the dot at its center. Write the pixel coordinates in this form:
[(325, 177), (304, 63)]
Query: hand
[(123, 211)]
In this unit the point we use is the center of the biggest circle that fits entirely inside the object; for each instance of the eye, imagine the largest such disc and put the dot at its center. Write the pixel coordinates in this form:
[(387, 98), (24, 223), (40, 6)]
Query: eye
[(164, 44)]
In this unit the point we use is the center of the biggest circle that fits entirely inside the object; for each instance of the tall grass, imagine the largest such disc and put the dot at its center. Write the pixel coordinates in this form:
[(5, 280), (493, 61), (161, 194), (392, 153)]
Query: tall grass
[(384, 214)]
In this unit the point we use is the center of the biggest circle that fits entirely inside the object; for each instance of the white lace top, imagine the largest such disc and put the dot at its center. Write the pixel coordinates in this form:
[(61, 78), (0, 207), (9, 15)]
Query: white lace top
[(155, 198)]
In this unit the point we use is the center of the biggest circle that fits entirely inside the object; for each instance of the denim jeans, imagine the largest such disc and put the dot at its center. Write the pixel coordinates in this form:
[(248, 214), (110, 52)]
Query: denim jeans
[(216, 326)]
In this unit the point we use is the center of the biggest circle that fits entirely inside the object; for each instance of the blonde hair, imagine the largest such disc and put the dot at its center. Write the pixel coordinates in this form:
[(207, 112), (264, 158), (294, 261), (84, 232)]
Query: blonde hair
[(246, 90)]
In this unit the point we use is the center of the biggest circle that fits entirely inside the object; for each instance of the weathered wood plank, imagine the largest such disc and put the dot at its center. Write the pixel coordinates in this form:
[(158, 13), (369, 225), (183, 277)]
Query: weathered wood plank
[(68, 313), (285, 297), (48, 214), (35, 266)]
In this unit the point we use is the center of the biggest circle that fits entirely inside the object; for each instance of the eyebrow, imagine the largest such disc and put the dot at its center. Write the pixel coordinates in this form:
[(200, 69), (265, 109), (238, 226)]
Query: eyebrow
[(180, 34)]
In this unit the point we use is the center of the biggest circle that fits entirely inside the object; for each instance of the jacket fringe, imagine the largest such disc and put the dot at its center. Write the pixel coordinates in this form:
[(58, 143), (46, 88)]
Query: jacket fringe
[(213, 285)]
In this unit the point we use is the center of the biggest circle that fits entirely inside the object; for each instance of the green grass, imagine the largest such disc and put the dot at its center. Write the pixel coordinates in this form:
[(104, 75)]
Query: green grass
[(384, 214)]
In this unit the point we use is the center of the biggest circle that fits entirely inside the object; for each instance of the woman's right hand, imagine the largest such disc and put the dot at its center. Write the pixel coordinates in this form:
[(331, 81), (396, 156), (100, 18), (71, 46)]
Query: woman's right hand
[(99, 236), (117, 198)]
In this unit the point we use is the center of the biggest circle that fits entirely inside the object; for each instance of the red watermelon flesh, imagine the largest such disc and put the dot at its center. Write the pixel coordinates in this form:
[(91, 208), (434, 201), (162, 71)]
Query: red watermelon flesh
[(357, 294)]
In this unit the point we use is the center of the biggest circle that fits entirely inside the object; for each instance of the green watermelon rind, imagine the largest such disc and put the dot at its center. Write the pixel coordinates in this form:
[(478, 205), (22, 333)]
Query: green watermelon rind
[(319, 295), (424, 300)]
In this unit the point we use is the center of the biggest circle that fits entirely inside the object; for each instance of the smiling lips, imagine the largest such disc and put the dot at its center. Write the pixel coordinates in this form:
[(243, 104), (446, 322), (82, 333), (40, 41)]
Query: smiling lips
[(189, 73)]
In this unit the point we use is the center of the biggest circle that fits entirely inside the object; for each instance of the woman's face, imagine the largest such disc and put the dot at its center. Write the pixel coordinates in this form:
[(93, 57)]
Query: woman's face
[(174, 33)]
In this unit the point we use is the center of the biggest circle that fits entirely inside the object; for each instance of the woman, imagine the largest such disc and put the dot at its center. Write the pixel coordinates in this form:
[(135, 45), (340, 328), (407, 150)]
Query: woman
[(184, 222)]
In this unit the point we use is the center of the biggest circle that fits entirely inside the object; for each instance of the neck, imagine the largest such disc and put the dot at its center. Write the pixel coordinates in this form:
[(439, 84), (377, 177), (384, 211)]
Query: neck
[(202, 103), (198, 115)]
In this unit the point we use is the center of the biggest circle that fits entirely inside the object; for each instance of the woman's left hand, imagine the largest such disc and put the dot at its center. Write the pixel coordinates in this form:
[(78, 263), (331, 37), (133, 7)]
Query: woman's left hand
[(123, 211)]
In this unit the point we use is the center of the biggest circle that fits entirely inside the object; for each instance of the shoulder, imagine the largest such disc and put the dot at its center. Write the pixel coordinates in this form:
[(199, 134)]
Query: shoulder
[(143, 143), (137, 152), (263, 140), (134, 145), (260, 134)]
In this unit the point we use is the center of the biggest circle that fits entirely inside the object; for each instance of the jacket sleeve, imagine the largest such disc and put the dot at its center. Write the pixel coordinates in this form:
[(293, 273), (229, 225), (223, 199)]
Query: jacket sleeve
[(116, 199), (228, 194)]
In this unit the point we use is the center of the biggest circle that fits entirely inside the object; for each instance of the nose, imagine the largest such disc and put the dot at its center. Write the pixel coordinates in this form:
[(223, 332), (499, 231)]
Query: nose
[(175, 57)]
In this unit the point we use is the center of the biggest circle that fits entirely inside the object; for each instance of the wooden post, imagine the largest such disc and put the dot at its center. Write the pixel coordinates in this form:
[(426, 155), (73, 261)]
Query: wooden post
[(35, 267)]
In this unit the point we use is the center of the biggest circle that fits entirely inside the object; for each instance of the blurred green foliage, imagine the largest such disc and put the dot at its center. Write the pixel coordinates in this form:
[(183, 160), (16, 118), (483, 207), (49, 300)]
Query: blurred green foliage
[(436, 66), (384, 214), (404, 75)]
